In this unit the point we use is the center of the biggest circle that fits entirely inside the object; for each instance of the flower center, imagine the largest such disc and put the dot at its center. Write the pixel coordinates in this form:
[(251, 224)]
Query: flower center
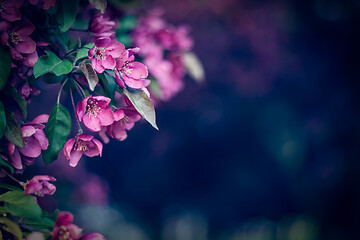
[(100, 53), (14, 37), (124, 120), (80, 145), (92, 107), (63, 233)]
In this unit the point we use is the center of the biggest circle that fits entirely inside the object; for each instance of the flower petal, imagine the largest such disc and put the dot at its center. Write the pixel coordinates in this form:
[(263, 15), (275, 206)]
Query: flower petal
[(75, 157), (31, 147), (106, 116), (92, 122)]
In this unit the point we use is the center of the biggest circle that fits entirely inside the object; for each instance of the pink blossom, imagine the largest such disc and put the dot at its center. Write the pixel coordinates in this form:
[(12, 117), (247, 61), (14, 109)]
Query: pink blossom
[(95, 112), (82, 144), (164, 72), (124, 120), (65, 229), (34, 140), (9, 9), (40, 186), (16, 37), (46, 4), (92, 236), (133, 73), (103, 54), (101, 26)]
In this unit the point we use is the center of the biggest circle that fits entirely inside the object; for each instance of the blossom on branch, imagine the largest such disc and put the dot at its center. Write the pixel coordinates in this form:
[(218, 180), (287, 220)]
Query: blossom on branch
[(16, 37), (103, 54), (95, 112), (34, 140), (40, 186), (82, 144), (133, 73), (9, 9), (65, 229)]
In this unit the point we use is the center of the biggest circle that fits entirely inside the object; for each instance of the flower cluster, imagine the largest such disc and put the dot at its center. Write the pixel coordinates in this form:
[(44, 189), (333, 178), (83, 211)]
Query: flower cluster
[(162, 46), (109, 86)]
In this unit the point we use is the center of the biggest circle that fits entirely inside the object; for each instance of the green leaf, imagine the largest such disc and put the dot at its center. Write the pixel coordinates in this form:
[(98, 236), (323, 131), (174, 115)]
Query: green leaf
[(16, 96), (66, 13), (105, 85), (52, 79), (21, 205), (194, 66), (5, 163), (44, 222), (13, 131), (5, 63), (99, 4), (84, 51), (2, 120), (90, 74), (143, 105), (51, 63), (9, 187), (11, 227), (57, 131)]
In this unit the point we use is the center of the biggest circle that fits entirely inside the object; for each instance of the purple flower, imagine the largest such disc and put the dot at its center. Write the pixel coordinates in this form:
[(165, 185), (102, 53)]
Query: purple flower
[(82, 144), (133, 73), (103, 54), (101, 26), (65, 229), (34, 140), (92, 236), (40, 186), (124, 120), (16, 37), (9, 9), (95, 112)]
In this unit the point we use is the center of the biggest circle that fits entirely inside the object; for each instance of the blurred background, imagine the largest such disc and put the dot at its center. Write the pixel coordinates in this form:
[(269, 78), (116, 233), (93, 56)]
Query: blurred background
[(266, 148)]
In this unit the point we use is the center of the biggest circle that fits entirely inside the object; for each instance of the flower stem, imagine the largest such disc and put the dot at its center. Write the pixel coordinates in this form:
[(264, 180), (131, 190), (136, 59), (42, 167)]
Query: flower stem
[(59, 94), (77, 120), (10, 176), (80, 89)]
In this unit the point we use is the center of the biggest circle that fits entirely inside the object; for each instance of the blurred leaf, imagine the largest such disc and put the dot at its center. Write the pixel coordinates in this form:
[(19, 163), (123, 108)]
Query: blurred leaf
[(57, 131), (2, 120), (66, 13), (99, 4), (21, 205), (5, 163), (84, 51), (90, 74), (127, 23), (194, 66), (11, 227), (13, 131), (5, 63), (51, 63), (143, 105), (155, 88), (16, 96), (124, 38)]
